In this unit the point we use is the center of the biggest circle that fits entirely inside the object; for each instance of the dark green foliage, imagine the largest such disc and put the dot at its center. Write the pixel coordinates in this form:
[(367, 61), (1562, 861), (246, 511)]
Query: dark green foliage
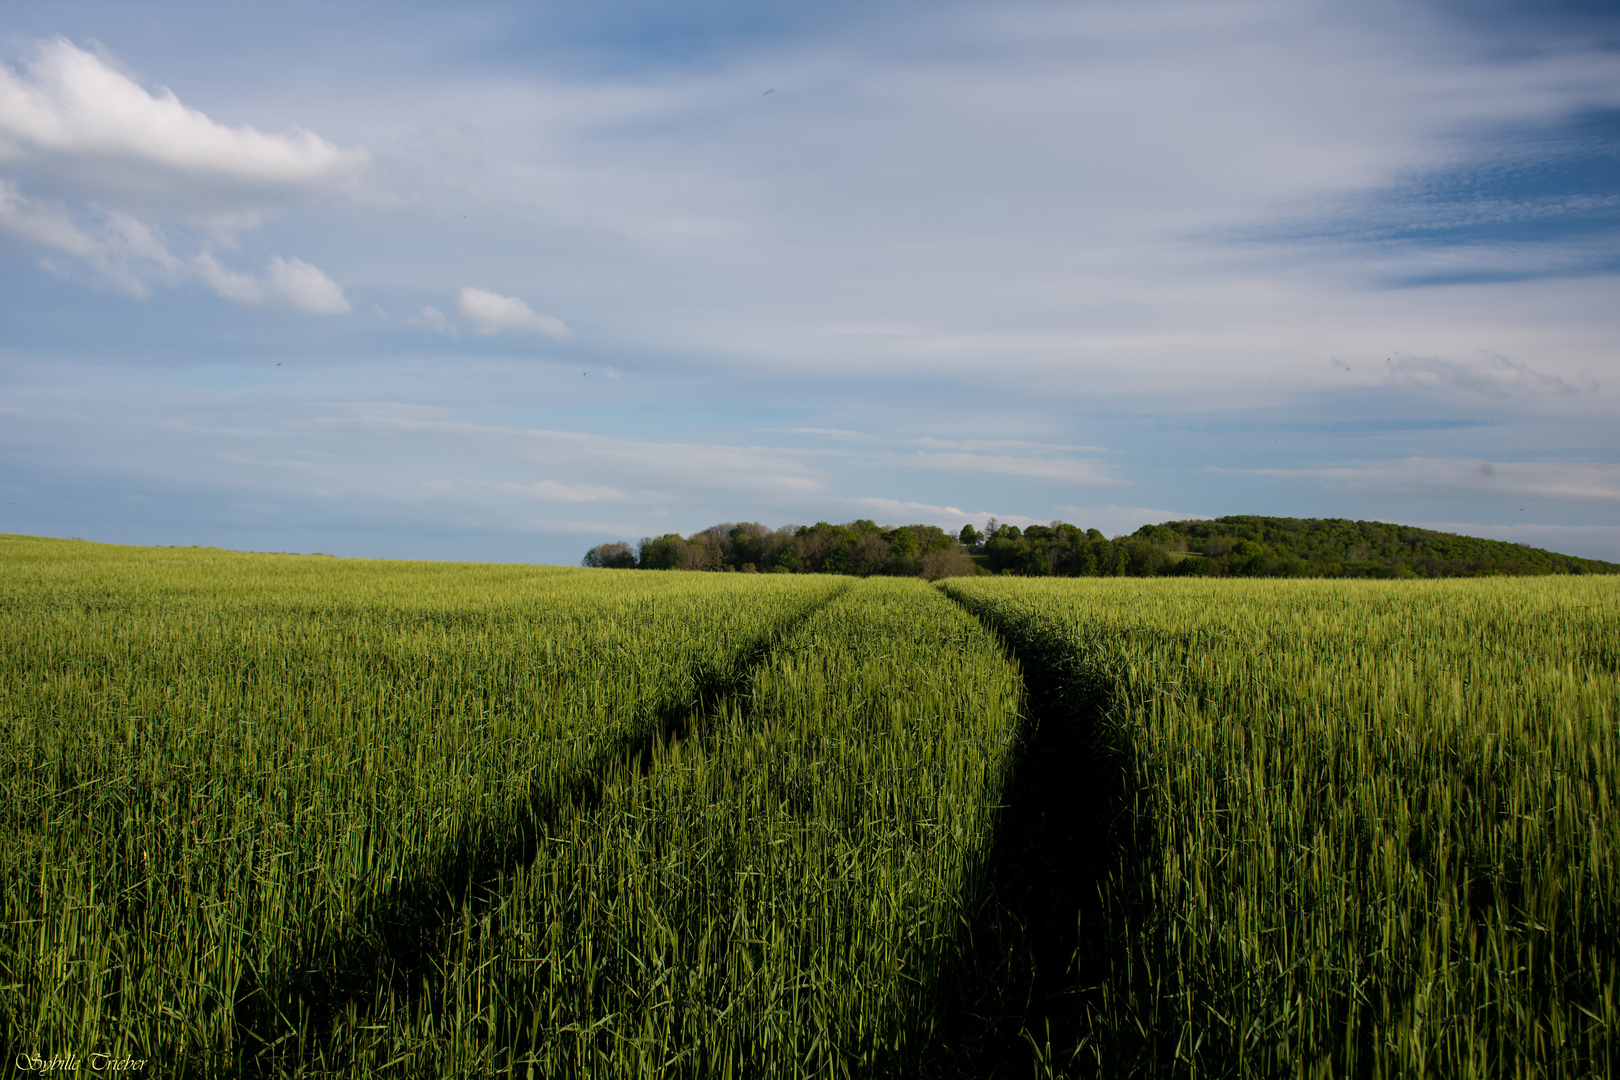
[(1239, 546), (616, 556), (1251, 546), (861, 548)]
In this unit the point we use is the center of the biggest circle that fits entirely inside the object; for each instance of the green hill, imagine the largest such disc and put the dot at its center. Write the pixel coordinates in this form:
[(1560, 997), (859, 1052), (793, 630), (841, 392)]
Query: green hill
[(1248, 545)]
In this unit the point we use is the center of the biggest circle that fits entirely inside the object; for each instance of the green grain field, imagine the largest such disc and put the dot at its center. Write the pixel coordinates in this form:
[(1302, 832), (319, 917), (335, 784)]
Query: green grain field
[(272, 815)]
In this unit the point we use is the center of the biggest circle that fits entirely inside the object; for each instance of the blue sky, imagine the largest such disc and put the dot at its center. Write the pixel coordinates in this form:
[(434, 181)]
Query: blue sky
[(505, 281)]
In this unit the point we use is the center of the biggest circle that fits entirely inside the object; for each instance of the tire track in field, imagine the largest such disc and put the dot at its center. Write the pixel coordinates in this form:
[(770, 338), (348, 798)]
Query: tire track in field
[(390, 946), (1034, 947)]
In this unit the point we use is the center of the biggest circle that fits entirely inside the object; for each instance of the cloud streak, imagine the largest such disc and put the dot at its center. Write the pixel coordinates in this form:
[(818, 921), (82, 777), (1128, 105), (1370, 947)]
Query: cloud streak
[(1577, 480), (1066, 470), (540, 490), (1494, 375)]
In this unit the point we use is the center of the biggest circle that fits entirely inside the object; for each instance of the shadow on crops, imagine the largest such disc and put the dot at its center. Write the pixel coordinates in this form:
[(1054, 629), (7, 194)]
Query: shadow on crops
[(389, 949), (1036, 947)]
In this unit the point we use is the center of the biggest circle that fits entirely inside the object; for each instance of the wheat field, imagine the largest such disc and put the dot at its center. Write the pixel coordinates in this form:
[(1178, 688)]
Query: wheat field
[(297, 816)]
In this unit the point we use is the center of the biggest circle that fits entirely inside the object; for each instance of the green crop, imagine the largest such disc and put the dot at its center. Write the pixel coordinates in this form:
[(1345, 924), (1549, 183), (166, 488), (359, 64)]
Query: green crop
[(1360, 829), (233, 786), (775, 895), (297, 816), (302, 816)]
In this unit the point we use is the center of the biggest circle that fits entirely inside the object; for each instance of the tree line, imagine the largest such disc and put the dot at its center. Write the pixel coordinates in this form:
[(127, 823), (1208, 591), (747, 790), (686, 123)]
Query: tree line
[(862, 548), (1238, 546)]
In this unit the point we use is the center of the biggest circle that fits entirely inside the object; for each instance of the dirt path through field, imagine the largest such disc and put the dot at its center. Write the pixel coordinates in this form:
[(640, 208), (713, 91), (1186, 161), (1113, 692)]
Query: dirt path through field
[(1017, 1006)]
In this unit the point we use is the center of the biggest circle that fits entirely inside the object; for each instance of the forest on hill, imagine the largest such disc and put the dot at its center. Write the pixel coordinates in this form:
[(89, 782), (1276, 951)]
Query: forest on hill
[(1238, 546)]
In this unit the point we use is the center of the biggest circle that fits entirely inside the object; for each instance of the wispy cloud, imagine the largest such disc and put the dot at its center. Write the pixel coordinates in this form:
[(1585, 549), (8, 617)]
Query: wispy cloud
[(626, 464), (1577, 480), (1067, 470), (1491, 374), (1012, 256), (541, 490), (431, 318), (592, 528)]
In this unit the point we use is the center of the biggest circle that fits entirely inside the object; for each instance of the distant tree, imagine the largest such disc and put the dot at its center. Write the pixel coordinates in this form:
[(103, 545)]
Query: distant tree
[(1239, 546), (614, 556), (663, 553), (953, 561)]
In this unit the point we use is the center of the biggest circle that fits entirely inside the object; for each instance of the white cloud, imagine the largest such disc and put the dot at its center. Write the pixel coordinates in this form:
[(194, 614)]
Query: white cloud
[(492, 313), (304, 287), (72, 115), (138, 189), (42, 223), (902, 206), (118, 248), (289, 282)]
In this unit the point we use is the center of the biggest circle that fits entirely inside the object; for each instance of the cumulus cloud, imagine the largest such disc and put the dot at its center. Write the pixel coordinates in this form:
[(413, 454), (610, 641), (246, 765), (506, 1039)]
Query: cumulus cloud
[(289, 282), (492, 313), (136, 188), (71, 115)]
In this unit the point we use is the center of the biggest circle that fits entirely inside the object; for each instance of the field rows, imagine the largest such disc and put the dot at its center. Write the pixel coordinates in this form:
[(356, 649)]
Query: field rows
[(299, 816), (1361, 828)]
